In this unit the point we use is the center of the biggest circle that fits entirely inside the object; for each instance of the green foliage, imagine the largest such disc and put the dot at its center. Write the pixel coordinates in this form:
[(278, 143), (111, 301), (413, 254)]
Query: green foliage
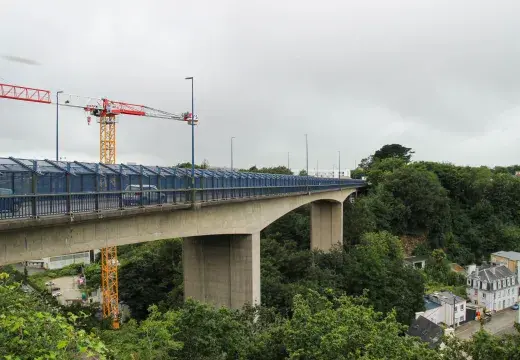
[(377, 265), (282, 170), (30, 329), (395, 151), (302, 172), (151, 273)]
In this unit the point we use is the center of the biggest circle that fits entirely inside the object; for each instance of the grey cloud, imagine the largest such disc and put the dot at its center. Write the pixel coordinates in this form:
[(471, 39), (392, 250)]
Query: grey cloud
[(439, 76)]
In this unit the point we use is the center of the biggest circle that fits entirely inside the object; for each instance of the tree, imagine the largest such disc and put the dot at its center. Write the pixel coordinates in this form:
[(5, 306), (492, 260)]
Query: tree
[(30, 329), (302, 173), (345, 328), (151, 273), (394, 151), (376, 265)]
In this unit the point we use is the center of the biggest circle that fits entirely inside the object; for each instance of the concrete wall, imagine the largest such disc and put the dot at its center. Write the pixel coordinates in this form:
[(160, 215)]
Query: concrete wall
[(39, 238), (223, 270)]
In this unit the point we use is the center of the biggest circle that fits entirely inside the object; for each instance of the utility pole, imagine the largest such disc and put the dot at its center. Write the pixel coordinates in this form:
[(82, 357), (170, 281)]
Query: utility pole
[(232, 152), (57, 122), (192, 139), (307, 153), (339, 166), (454, 308), (317, 168), (288, 164), (307, 159)]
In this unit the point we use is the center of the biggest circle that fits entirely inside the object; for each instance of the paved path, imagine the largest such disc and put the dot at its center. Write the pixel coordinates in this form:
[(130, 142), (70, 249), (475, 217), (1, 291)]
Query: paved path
[(68, 288), (501, 323)]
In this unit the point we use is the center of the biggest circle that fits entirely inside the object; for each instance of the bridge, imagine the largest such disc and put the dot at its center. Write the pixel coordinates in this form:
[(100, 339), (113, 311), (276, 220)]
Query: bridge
[(52, 208)]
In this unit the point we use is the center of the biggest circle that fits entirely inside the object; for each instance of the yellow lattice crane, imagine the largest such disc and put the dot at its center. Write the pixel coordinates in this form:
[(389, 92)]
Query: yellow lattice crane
[(107, 112)]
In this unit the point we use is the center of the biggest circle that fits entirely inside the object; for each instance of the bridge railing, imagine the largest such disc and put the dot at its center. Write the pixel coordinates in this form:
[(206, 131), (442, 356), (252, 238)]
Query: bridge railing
[(34, 188), (36, 205)]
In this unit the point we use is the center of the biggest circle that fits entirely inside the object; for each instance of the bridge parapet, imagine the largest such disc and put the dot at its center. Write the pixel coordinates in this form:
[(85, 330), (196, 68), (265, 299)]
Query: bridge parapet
[(36, 188)]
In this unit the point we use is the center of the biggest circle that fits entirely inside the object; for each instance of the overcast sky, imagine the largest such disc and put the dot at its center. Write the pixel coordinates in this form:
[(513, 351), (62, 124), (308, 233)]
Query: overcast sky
[(439, 76)]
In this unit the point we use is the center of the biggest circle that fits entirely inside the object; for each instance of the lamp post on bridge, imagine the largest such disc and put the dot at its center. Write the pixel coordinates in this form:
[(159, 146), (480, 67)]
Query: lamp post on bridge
[(339, 165), (57, 123), (192, 137), (232, 152), (307, 159)]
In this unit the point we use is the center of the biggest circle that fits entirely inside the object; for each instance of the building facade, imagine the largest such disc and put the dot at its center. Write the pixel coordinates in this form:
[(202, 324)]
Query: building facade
[(494, 287), (444, 307)]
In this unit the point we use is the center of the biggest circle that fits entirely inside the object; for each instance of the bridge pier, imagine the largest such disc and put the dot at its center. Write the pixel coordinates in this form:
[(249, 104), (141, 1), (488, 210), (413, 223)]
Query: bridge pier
[(223, 270), (326, 225)]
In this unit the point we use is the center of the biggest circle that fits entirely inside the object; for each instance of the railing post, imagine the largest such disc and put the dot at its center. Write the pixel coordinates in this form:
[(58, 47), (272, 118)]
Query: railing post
[(120, 190), (34, 187), (141, 187), (96, 188)]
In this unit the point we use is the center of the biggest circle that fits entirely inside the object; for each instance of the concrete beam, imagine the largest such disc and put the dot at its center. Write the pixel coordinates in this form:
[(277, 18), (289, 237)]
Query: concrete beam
[(223, 270), (326, 225)]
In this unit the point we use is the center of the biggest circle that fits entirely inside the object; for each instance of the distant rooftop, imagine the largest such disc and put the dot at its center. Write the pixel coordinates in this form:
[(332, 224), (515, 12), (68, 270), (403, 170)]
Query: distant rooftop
[(491, 273), (512, 255), (427, 330), (447, 297)]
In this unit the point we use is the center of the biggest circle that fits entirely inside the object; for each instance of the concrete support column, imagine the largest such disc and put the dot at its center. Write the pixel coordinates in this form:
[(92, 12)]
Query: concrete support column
[(223, 270), (326, 225)]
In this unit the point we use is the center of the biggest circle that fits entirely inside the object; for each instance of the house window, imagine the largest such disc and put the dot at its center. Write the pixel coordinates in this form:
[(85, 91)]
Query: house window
[(462, 307), (503, 283), (483, 295), (469, 282), (461, 319)]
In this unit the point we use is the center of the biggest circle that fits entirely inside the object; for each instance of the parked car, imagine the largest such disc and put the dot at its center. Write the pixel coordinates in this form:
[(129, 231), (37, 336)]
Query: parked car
[(514, 307), (149, 196), (8, 204), (49, 283), (56, 294)]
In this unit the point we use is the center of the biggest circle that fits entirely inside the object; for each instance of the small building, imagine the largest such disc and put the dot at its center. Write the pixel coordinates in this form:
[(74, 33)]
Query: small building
[(418, 262), (60, 261), (511, 259), (442, 306), (492, 286), (427, 331)]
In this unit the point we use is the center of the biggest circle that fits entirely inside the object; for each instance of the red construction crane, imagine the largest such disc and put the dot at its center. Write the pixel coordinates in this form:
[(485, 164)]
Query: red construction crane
[(106, 110)]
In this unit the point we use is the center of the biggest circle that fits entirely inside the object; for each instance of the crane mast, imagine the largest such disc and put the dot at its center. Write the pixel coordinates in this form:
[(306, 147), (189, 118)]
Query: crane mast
[(106, 110)]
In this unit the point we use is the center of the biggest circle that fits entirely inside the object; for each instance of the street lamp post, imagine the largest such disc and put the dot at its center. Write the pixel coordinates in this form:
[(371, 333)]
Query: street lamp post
[(288, 163), (192, 137), (339, 166), (307, 159), (57, 123), (232, 152)]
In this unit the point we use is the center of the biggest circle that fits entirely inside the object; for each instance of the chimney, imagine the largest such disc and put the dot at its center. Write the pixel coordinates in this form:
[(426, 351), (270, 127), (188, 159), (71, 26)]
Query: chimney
[(471, 268)]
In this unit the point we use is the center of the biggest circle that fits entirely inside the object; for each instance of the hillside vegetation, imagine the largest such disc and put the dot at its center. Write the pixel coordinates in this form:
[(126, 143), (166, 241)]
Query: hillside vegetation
[(354, 302)]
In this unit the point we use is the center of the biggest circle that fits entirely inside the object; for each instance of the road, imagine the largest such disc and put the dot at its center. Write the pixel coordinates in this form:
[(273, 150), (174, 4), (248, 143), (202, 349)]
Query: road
[(501, 323)]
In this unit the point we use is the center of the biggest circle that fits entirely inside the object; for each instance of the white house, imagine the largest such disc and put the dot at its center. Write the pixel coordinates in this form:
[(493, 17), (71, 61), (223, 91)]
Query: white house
[(494, 287), (440, 307)]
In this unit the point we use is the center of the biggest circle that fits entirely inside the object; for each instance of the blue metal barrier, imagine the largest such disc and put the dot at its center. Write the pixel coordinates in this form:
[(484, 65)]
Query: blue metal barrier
[(33, 188)]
